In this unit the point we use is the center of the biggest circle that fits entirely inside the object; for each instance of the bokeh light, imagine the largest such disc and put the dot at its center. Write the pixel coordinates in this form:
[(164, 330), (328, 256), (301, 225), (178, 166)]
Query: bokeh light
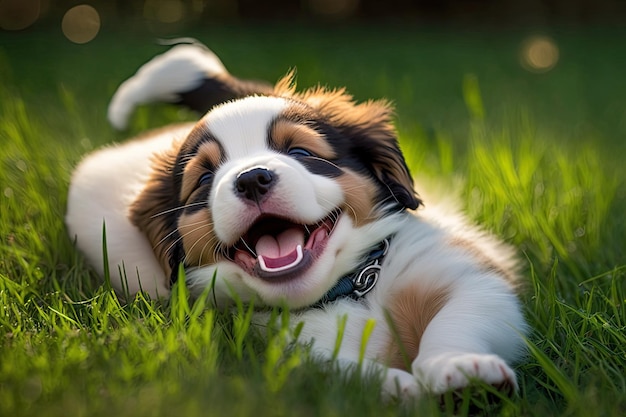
[(18, 14), (81, 23), (539, 54)]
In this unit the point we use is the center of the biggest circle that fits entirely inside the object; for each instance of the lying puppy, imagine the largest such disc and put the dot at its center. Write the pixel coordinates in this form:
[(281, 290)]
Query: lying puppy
[(304, 200)]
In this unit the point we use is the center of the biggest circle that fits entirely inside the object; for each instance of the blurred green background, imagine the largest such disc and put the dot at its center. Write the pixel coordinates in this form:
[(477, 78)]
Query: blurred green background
[(559, 62)]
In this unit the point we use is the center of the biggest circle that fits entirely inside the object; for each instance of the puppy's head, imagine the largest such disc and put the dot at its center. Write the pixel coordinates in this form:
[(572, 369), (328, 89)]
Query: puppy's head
[(276, 195)]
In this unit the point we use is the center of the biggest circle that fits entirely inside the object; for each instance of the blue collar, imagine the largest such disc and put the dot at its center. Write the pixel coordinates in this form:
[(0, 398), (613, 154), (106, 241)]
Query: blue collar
[(358, 283)]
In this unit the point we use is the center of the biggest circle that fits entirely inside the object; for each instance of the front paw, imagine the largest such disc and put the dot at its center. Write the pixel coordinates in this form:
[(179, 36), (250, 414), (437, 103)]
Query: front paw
[(399, 385), (453, 371)]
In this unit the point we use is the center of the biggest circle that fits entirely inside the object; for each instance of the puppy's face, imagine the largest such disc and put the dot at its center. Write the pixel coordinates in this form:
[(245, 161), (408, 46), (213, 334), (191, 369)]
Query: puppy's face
[(267, 193)]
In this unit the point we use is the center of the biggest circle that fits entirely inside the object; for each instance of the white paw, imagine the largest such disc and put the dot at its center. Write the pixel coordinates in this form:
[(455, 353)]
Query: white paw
[(399, 384), (452, 371)]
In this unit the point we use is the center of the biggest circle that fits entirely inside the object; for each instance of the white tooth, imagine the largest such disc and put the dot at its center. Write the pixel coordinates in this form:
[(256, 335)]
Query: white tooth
[(298, 259)]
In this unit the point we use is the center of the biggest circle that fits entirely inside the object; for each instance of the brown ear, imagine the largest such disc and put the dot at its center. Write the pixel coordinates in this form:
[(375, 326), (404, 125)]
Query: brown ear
[(371, 132), (369, 125), (155, 212)]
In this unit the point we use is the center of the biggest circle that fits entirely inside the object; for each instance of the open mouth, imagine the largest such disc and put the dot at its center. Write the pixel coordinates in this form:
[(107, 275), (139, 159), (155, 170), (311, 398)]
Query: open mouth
[(277, 249)]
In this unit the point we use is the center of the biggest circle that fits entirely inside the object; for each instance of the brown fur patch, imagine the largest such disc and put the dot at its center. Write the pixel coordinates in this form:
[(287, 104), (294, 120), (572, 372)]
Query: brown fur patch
[(410, 311), (287, 134), (370, 125), (360, 196), (208, 156), (152, 211), (156, 210), (199, 240)]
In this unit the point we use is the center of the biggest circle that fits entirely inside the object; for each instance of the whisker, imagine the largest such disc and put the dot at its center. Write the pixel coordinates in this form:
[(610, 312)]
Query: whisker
[(392, 194), (317, 158), (198, 241), (248, 247), (210, 241), (216, 251), (169, 248), (223, 251), (334, 213), (178, 208), (331, 206), (187, 157), (185, 235), (174, 231), (356, 217), (336, 216)]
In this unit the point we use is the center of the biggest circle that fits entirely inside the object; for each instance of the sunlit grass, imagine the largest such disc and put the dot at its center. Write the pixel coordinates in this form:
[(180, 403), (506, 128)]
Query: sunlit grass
[(69, 347)]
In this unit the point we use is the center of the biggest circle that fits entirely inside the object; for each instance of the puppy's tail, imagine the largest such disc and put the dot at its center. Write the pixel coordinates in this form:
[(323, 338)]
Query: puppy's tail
[(189, 74)]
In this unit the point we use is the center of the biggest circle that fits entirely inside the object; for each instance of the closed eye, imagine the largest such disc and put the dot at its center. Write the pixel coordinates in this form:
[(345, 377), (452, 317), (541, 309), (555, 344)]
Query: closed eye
[(205, 179), (299, 152), (315, 164)]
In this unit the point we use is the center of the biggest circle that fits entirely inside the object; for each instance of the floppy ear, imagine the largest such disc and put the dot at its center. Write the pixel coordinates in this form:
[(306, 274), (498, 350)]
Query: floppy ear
[(369, 126), (372, 136), (155, 212)]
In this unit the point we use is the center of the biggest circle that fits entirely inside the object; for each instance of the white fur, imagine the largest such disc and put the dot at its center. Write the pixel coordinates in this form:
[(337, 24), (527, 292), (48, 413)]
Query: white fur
[(478, 333), (103, 186), (180, 69), (475, 335), (241, 127)]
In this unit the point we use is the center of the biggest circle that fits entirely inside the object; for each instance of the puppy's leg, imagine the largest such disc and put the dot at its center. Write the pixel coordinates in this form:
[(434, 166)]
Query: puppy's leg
[(399, 384), (347, 321), (189, 74), (472, 338)]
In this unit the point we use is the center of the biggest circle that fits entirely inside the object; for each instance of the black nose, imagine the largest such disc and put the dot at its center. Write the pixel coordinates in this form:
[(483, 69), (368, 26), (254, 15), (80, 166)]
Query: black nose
[(254, 183)]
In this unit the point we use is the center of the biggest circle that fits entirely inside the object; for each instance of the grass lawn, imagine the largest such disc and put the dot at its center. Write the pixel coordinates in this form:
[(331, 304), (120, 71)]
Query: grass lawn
[(538, 158)]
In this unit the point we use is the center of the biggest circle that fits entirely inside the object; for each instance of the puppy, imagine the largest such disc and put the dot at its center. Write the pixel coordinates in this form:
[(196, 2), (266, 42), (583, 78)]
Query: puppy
[(300, 200)]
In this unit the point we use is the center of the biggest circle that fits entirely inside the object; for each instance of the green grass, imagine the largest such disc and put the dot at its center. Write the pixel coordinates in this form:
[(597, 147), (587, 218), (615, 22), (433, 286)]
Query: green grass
[(536, 158)]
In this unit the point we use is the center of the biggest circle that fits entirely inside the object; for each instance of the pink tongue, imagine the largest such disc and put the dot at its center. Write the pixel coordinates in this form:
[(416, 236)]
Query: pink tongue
[(280, 250)]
